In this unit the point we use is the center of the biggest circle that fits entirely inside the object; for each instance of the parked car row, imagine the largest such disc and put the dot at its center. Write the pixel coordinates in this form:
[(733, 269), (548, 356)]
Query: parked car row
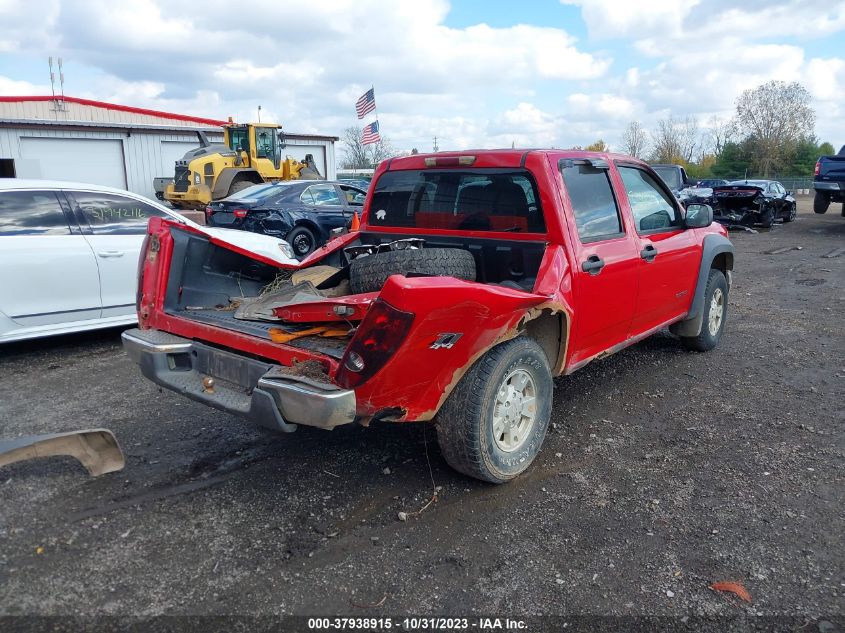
[(69, 253)]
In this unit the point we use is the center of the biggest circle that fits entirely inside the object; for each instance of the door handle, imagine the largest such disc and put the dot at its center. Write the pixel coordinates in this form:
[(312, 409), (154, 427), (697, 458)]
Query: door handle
[(111, 253), (648, 253), (593, 265)]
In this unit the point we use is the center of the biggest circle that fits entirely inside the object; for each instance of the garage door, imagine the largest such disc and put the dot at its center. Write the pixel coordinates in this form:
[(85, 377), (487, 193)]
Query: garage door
[(171, 151), (97, 161), (299, 152)]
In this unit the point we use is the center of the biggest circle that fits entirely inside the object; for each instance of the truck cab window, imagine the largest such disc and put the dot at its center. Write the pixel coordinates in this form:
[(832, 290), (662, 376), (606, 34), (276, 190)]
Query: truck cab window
[(238, 137), (653, 208), (593, 204), (264, 146)]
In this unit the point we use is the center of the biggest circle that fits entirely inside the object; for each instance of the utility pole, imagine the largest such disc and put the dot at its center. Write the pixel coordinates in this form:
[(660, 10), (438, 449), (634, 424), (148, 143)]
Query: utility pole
[(436, 149)]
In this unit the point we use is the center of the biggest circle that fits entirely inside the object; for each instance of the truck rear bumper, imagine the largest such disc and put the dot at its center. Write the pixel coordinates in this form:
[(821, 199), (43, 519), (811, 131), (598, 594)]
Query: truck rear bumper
[(244, 386), (827, 186)]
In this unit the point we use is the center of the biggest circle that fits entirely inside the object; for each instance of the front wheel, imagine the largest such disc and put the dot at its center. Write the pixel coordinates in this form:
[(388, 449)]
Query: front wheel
[(302, 240), (791, 213), (492, 425), (715, 314)]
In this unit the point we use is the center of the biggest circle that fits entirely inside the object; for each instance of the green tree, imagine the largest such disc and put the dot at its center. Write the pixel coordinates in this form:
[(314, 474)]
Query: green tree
[(598, 146), (733, 162), (826, 149)]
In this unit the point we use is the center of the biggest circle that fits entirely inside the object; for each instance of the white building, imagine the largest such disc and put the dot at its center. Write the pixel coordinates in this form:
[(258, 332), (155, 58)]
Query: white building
[(115, 145)]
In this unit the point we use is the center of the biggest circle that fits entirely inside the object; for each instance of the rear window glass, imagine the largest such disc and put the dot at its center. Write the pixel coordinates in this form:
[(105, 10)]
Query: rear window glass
[(256, 192), (466, 200)]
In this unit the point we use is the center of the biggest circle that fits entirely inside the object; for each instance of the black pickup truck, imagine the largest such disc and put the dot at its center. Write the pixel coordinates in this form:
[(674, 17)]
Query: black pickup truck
[(829, 182)]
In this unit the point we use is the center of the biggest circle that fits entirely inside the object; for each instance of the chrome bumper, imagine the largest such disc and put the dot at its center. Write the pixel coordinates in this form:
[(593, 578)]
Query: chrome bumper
[(236, 384)]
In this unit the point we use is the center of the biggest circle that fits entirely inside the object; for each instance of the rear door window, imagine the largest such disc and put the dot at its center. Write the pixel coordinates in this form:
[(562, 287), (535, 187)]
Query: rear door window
[(593, 203), (467, 200), (113, 214), (31, 213), (354, 197)]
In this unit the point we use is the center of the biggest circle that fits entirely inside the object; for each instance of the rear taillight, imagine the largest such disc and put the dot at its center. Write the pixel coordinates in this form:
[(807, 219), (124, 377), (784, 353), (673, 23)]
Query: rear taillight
[(379, 336), (145, 245), (817, 169), (239, 213)]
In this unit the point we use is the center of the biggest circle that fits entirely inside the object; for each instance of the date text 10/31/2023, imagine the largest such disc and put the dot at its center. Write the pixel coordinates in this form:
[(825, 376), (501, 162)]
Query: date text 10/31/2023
[(417, 624)]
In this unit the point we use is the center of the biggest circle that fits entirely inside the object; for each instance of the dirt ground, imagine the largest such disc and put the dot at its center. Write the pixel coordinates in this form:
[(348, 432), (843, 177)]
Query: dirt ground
[(664, 471)]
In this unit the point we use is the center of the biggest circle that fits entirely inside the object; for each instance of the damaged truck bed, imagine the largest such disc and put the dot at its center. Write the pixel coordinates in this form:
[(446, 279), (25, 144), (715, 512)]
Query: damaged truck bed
[(472, 281)]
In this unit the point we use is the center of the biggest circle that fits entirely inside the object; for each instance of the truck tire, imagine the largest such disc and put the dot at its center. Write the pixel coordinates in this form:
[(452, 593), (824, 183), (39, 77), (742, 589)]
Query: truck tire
[(239, 185), (495, 420), (715, 314), (368, 274), (820, 203)]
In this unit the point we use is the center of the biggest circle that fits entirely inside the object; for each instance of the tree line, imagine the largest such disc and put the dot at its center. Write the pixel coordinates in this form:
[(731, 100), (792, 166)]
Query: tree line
[(772, 133)]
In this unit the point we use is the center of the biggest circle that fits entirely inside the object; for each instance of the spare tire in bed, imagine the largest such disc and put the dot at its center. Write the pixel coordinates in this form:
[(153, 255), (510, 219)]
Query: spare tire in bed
[(368, 274)]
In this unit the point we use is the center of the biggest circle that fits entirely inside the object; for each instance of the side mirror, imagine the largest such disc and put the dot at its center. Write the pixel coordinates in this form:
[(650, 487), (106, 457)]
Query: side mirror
[(283, 143), (698, 216)]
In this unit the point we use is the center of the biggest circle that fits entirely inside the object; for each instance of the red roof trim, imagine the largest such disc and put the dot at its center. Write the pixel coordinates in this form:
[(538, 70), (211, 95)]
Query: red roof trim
[(120, 108)]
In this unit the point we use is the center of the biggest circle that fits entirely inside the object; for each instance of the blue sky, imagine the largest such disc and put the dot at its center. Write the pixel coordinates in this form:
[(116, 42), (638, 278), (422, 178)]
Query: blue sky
[(475, 73)]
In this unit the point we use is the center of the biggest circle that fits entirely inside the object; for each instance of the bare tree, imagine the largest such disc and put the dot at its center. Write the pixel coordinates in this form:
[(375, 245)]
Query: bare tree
[(675, 140), (356, 155), (719, 132), (382, 150), (635, 140), (776, 115)]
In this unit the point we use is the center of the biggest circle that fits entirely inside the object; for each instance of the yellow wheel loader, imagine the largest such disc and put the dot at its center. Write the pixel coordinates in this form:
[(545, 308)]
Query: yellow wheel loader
[(250, 154)]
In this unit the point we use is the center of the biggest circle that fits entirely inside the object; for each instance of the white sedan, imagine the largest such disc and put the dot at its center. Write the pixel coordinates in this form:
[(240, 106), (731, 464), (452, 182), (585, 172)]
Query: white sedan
[(69, 255)]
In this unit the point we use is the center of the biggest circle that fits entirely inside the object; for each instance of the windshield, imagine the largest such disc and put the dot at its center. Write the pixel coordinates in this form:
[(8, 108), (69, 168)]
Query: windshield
[(467, 200), (670, 175)]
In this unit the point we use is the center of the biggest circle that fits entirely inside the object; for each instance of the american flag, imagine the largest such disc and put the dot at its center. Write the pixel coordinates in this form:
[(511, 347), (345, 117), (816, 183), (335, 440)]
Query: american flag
[(367, 103), (370, 134)]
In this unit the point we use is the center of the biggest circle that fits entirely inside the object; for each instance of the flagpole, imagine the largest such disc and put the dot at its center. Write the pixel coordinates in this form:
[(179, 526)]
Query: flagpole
[(375, 109)]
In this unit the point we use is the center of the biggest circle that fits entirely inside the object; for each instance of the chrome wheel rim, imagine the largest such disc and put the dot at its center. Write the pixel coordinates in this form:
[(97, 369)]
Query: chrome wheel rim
[(717, 311), (515, 411)]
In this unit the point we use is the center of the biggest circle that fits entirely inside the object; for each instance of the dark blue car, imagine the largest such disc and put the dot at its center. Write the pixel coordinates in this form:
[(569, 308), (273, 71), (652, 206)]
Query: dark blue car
[(302, 212)]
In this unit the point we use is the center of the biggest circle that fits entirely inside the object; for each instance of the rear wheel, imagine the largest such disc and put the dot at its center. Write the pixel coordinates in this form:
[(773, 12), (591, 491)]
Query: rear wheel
[(302, 240), (821, 202), (715, 314), (767, 218), (492, 425)]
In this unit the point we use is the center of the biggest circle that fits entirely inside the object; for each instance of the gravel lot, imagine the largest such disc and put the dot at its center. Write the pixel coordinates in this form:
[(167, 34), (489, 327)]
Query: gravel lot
[(665, 471)]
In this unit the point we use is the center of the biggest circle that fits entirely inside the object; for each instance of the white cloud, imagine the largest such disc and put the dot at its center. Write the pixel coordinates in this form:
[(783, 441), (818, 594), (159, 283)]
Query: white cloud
[(478, 86)]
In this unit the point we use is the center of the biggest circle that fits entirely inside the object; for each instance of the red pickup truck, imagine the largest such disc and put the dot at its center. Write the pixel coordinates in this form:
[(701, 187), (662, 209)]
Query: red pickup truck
[(473, 279)]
